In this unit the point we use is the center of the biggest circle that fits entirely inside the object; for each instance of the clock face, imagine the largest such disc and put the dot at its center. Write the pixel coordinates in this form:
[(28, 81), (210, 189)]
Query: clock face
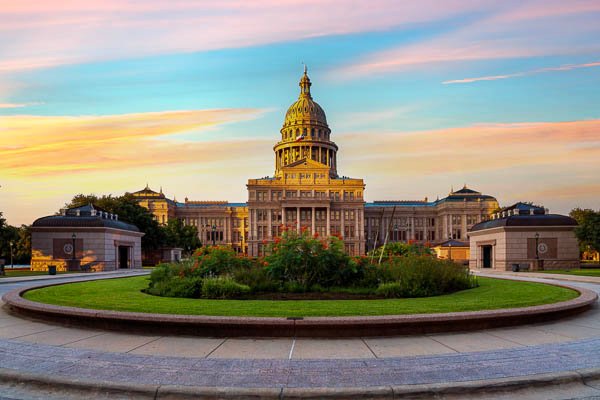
[(68, 248), (542, 248)]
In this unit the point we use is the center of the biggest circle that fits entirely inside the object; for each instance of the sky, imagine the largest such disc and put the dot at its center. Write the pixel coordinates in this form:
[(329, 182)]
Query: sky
[(421, 96)]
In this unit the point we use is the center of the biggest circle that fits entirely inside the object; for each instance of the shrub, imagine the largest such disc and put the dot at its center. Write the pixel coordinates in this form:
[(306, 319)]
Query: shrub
[(174, 280), (217, 260), (421, 276), (390, 290), (306, 260), (394, 249), (223, 288), (257, 278)]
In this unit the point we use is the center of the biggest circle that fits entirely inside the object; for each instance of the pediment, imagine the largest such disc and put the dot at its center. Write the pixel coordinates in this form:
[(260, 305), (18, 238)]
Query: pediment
[(306, 163)]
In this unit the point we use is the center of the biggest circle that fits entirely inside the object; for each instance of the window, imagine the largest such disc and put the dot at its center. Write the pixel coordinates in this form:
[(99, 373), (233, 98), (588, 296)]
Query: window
[(456, 220), (261, 196), (335, 215), (349, 231), (290, 194), (276, 195), (276, 216), (419, 235), (431, 235)]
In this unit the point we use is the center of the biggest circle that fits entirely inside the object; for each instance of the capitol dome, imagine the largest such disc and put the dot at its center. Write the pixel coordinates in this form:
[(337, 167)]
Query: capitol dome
[(305, 109)]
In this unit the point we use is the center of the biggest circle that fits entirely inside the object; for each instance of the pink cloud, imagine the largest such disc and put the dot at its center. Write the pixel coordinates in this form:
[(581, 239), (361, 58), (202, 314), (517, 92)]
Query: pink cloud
[(53, 32), (517, 30)]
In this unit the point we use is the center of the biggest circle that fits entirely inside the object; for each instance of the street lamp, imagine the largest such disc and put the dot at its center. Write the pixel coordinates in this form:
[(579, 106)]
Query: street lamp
[(537, 251), (214, 233), (73, 237), (450, 246), (11, 253)]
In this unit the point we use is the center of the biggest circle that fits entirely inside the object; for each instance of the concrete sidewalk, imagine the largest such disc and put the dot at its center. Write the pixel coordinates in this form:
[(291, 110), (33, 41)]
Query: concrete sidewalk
[(435, 365), (539, 275), (35, 278)]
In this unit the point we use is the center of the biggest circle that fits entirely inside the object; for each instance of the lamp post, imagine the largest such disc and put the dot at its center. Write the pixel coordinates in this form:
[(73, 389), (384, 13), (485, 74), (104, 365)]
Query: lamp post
[(396, 233), (537, 251), (11, 254), (450, 245), (73, 237), (214, 234)]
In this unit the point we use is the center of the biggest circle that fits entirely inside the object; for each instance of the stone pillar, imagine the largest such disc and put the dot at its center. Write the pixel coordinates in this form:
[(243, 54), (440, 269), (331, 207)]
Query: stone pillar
[(357, 228), (313, 220), (412, 228), (298, 218), (270, 223), (342, 223), (328, 221), (283, 216), (463, 228)]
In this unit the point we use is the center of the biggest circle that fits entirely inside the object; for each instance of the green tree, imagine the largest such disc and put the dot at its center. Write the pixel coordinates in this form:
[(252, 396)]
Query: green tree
[(20, 239), (180, 235), (588, 230), (129, 211)]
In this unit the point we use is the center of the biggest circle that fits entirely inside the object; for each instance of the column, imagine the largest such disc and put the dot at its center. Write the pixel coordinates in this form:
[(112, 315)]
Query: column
[(342, 223), (298, 219), (463, 228), (270, 223), (357, 228), (444, 228), (313, 220), (412, 228), (283, 216), (328, 221)]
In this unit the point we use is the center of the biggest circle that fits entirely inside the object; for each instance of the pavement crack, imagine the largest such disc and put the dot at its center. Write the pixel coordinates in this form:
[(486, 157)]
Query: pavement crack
[(216, 348), (156, 392), (443, 344), (142, 345), (368, 347)]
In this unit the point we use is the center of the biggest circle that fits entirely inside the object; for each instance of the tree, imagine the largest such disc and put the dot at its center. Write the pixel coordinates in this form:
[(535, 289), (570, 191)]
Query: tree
[(21, 242), (180, 235), (588, 230), (129, 211)]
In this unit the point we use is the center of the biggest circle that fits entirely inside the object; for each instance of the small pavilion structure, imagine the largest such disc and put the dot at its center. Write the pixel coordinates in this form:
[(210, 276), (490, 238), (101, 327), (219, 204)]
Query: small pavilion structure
[(455, 250), (524, 237), (85, 238)]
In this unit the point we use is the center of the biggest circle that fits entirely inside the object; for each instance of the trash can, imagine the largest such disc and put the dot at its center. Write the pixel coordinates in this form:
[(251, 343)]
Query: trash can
[(515, 267), (51, 269)]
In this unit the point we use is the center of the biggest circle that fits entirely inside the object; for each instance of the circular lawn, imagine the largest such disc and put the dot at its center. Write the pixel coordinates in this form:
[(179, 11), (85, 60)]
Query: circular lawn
[(125, 294)]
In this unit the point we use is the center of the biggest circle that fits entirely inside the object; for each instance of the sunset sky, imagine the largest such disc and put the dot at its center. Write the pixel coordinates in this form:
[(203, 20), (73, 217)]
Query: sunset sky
[(106, 96)]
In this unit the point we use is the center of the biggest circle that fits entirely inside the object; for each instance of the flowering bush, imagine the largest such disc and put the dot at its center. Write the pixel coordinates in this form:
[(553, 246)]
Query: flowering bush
[(301, 262), (305, 260)]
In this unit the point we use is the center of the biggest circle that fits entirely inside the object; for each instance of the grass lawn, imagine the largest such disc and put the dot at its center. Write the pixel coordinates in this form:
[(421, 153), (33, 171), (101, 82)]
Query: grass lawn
[(580, 272), (15, 273), (124, 294)]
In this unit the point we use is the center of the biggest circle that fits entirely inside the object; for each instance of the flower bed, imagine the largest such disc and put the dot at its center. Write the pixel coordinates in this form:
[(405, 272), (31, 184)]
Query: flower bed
[(309, 267)]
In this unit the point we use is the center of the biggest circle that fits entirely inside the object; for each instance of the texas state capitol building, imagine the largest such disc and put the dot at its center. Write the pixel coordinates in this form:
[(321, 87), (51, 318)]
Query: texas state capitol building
[(307, 192)]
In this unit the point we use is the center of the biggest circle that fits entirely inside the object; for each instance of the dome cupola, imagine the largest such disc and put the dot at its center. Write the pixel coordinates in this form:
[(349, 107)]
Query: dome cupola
[(305, 133)]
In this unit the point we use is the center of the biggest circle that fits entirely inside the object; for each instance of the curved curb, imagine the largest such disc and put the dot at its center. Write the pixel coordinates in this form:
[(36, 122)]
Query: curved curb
[(360, 326), (73, 386)]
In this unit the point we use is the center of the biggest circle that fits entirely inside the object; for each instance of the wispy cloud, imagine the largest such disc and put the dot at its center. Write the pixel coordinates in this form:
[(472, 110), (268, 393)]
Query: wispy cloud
[(17, 105), (54, 32), (46, 145), (511, 30), (567, 67)]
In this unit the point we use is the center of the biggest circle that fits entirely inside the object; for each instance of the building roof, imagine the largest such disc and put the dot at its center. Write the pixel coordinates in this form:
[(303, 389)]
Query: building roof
[(453, 243), (526, 220), (210, 204), (88, 216), (462, 195)]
